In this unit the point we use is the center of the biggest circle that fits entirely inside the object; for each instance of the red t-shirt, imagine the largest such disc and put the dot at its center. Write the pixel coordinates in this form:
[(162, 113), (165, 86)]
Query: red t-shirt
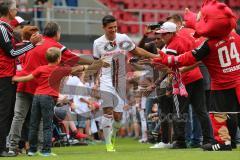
[(179, 45), (44, 76), (36, 57), (223, 62)]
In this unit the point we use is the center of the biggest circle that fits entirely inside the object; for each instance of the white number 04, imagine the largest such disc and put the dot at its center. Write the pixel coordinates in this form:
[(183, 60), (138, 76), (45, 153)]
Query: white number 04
[(225, 57)]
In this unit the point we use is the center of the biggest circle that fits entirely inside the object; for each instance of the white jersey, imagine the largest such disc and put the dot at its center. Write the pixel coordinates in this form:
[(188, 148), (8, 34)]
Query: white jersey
[(113, 52)]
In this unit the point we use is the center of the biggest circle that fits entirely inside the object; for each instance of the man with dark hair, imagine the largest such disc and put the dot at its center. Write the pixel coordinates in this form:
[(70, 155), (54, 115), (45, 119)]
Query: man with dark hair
[(112, 47), (8, 53)]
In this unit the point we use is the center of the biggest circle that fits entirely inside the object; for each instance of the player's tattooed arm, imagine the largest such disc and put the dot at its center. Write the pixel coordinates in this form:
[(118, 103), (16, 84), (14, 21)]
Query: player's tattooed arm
[(141, 52)]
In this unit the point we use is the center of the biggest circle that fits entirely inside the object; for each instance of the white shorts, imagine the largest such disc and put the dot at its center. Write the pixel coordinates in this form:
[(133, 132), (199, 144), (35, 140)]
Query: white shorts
[(111, 98)]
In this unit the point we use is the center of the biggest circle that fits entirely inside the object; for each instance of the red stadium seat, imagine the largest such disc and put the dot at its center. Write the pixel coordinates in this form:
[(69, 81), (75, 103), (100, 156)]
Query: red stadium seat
[(127, 16), (130, 4), (123, 28), (117, 1), (148, 17), (165, 4), (134, 29), (147, 5), (118, 14), (139, 4), (157, 4)]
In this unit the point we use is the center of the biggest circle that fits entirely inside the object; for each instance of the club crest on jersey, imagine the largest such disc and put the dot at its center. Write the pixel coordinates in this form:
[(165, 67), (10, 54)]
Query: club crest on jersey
[(110, 47), (125, 45)]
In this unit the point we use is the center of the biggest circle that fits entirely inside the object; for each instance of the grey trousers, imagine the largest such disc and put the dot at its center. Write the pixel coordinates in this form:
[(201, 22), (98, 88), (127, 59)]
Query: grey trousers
[(22, 106)]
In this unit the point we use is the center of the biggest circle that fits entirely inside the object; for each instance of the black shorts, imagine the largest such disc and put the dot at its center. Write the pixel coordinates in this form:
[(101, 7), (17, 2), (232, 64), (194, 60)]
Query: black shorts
[(224, 101)]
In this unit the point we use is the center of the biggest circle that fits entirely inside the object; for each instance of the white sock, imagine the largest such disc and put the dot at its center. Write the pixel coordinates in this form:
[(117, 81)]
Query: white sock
[(107, 129), (116, 126), (143, 124)]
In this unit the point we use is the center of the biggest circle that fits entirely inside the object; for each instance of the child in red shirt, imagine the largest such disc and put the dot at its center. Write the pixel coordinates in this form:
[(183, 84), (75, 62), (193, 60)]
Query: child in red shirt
[(44, 98)]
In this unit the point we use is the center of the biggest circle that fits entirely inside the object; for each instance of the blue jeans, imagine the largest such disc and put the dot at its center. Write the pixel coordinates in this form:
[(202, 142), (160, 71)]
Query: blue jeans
[(42, 107), (193, 131), (149, 105)]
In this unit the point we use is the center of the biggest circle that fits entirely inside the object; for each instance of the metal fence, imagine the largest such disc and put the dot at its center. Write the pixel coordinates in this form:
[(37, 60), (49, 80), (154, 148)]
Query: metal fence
[(87, 20)]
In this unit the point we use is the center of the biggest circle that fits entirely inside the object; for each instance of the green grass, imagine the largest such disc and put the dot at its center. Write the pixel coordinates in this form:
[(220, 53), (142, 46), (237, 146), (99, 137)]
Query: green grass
[(128, 149)]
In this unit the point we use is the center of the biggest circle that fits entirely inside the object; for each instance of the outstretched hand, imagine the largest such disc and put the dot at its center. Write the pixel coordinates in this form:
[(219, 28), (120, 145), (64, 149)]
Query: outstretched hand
[(105, 64), (144, 62), (36, 38), (96, 66), (148, 90)]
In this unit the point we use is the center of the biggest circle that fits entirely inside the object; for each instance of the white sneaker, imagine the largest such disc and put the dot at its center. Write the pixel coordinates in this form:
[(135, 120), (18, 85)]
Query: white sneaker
[(32, 153), (143, 140), (162, 145), (73, 141)]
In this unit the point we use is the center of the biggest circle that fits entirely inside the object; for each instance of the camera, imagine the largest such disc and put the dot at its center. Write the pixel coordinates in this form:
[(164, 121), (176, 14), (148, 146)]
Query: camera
[(133, 60), (154, 26)]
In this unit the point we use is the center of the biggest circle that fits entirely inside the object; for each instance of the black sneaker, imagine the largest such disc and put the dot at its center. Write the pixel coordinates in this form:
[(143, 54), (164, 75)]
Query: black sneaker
[(234, 145), (216, 147), (179, 145), (193, 145)]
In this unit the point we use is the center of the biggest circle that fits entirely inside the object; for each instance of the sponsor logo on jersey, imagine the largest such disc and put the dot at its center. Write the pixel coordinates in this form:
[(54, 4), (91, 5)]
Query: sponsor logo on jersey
[(110, 46), (125, 45)]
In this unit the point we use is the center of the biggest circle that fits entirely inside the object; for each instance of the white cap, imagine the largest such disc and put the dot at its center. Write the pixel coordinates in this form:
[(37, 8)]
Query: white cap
[(19, 19), (167, 27)]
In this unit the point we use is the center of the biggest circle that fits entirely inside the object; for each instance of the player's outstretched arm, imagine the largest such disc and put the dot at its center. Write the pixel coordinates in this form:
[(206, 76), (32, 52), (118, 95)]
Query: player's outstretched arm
[(88, 60), (78, 68), (141, 52)]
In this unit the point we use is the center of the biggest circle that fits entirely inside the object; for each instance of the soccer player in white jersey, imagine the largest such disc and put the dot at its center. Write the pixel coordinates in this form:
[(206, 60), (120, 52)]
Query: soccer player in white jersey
[(112, 48)]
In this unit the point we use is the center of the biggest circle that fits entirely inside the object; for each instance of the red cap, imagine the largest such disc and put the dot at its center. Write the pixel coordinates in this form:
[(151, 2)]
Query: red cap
[(19, 21)]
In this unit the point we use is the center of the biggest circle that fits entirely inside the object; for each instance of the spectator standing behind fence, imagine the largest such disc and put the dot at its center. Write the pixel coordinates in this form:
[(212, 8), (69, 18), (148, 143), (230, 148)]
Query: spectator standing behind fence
[(40, 7), (8, 53), (72, 3)]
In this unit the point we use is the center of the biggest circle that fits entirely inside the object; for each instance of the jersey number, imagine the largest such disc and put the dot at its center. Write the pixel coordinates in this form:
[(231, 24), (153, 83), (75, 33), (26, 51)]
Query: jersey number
[(225, 56)]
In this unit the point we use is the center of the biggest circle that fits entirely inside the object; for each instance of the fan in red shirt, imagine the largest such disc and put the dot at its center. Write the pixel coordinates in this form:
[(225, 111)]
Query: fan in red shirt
[(220, 53), (178, 44), (36, 57), (44, 98), (194, 83)]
